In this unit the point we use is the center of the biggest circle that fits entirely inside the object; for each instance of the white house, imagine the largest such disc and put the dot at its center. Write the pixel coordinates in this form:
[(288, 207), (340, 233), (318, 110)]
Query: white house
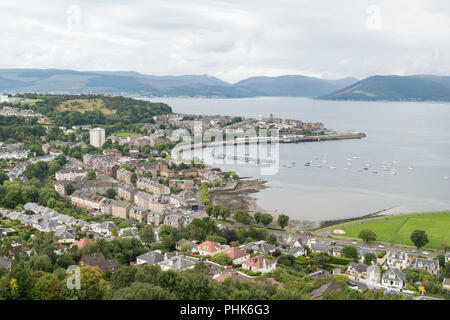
[(393, 278), (260, 264)]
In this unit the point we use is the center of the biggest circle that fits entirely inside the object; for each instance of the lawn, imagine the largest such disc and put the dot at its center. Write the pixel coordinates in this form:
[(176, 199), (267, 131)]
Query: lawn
[(125, 134), (399, 230)]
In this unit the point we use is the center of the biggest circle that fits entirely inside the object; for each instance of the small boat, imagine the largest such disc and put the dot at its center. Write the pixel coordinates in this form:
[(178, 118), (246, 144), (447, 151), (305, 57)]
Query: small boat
[(325, 161), (284, 166), (348, 159), (307, 164), (333, 168), (410, 168), (366, 168), (316, 157), (346, 169), (445, 177), (319, 166), (375, 172), (393, 173), (359, 170), (349, 163), (356, 157), (293, 162)]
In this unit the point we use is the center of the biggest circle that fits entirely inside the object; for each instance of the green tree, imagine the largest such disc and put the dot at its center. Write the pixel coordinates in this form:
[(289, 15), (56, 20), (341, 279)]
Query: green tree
[(143, 291), (322, 259), (257, 217), (222, 259), (46, 287), (133, 177), (243, 217), (367, 235), (266, 219), (147, 234), (123, 277), (283, 220), (110, 193), (419, 238), (369, 257), (91, 175), (350, 252)]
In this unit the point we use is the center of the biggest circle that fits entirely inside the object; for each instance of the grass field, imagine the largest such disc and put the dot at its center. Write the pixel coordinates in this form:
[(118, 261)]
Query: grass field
[(83, 105), (399, 230), (125, 134)]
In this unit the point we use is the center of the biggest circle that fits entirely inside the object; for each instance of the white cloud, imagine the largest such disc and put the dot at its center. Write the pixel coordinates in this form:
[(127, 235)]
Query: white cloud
[(229, 39)]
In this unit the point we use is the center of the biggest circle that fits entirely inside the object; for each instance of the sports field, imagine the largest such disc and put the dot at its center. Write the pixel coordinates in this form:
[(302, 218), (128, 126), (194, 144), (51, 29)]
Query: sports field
[(125, 134), (399, 230)]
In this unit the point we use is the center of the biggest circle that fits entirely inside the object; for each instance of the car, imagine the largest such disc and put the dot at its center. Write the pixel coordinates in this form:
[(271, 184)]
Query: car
[(354, 242), (380, 246), (424, 252)]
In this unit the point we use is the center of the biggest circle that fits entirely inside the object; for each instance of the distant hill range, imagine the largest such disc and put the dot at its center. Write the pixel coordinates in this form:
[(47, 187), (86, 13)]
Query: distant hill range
[(391, 88), (72, 82), (396, 88)]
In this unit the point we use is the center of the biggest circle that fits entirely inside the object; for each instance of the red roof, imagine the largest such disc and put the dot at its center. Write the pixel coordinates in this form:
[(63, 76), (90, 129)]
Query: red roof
[(233, 275), (210, 247), (259, 262), (82, 243), (235, 253)]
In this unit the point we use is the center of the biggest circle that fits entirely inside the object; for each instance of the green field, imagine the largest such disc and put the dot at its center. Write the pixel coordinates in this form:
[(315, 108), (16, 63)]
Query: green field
[(399, 230), (83, 105), (125, 134)]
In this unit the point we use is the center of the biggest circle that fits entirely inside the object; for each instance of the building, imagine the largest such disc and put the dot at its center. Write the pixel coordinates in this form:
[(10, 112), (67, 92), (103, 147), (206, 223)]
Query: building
[(97, 137), (150, 258), (174, 220), (177, 263), (357, 270), (234, 276), (126, 192), (121, 209), (208, 248), (259, 247), (447, 257), (237, 255), (86, 200), (446, 284), (182, 184), (139, 214), (432, 266), (260, 264), (155, 218), (70, 174), (152, 186), (150, 201), (398, 260), (98, 260), (124, 176), (393, 278)]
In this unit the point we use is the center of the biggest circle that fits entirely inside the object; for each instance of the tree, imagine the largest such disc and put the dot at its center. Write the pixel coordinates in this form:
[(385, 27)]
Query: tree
[(367, 235), (283, 220), (91, 175), (272, 239), (369, 257), (92, 285), (142, 291), (46, 287), (419, 238), (243, 217), (350, 252), (133, 177), (266, 219), (122, 277), (322, 258), (110, 193), (257, 217), (222, 259), (115, 232), (69, 188)]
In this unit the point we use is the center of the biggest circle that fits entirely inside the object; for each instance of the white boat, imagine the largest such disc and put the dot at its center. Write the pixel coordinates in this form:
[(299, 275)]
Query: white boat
[(349, 163), (319, 166), (333, 168), (375, 172), (346, 169), (410, 168), (325, 161), (445, 177), (356, 157), (393, 173)]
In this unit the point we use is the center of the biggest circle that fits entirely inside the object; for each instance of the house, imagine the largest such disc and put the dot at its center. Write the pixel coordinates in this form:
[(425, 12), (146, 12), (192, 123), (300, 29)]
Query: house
[(259, 247), (105, 227), (177, 263), (182, 184), (446, 284), (237, 255), (320, 247), (155, 218), (447, 257), (208, 248), (152, 186), (260, 264), (373, 275), (83, 243), (393, 278), (99, 260), (296, 251), (70, 174), (174, 220), (234, 276), (362, 251), (398, 260), (150, 258), (432, 266), (180, 243), (139, 214), (357, 270), (149, 201)]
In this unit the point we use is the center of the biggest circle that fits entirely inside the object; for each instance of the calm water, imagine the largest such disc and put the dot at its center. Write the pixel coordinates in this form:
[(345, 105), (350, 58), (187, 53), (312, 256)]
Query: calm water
[(401, 135)]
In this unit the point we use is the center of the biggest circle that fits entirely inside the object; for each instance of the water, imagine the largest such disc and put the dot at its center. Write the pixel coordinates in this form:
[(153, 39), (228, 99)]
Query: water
[(400, 135)]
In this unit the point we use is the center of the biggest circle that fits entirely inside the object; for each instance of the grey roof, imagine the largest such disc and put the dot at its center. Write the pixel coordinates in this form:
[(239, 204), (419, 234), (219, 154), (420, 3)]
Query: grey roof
[(422, 263), (259, 246), (397, 273), (177, 263), (363, 250), (320, 247), (5, 262), (359, 267), (151, 257)]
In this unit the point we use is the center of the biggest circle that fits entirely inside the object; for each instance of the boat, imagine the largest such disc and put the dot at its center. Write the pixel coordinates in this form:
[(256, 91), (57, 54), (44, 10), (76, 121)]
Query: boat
[(293, 162), (356, 157), (319, 166), (325, 161), (359, 170), (333, 168), (375, 172), (346, 168), (410, 168), (393, 173), (307, 164), (445, 177), (366, 168), (349, 163)]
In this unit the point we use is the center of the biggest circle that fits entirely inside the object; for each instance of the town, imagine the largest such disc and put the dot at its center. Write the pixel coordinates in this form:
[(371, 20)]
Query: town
[(105, 195)]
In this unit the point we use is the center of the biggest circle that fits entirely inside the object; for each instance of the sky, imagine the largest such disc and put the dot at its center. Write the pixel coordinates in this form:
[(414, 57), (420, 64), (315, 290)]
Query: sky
[(231, 40)]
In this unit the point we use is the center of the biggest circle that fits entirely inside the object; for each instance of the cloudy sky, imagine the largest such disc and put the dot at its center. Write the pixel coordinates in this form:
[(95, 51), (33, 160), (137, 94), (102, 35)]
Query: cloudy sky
[(231, 39)]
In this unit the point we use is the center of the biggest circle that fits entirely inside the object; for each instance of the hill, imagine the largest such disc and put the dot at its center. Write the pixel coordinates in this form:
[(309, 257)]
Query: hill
[(133, 83), (396, 88)]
